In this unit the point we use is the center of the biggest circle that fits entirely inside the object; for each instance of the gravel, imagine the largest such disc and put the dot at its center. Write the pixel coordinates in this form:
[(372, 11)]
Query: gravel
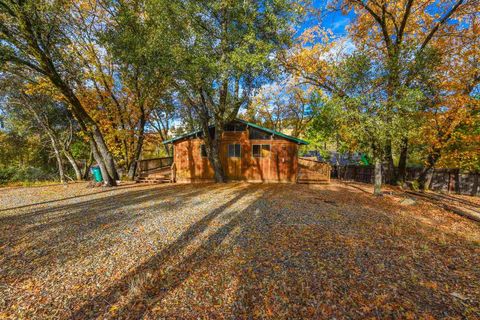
[(189, 251)]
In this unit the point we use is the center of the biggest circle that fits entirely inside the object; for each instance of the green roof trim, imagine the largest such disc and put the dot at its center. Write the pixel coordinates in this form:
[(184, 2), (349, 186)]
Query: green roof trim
[(186, 135), (299, 141), (253, 125)]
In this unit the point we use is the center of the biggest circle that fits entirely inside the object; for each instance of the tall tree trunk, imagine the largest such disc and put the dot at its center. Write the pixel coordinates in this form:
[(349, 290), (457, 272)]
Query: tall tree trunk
[(168, 149), (100, 161), (73, 163), (138, 150), (390, 174), (58, 156), (377, 188), (426, 174), (216, 163), (104, 157), (88, 164), (402, 163), (213, 152)]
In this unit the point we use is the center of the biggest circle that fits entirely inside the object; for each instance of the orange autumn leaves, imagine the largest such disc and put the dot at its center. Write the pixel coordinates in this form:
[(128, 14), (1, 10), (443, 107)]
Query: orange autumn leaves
[(396, 32)]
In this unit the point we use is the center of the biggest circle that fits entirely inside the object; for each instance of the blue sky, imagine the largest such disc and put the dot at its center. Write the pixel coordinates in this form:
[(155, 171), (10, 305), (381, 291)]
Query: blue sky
[(333, 20)]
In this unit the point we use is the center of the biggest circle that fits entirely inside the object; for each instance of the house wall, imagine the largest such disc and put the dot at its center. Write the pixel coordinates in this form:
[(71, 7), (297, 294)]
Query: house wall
[(280, 166)]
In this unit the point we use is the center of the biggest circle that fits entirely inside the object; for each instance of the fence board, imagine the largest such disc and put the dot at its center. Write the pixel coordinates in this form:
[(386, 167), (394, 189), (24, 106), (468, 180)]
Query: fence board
[(443, 180)]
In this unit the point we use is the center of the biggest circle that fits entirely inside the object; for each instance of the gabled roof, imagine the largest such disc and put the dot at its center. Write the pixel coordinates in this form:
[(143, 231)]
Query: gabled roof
[(186, 135), (253, 125)]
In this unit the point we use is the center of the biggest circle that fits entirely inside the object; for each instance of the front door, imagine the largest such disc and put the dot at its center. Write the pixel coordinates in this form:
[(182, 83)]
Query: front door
[(233, 165)]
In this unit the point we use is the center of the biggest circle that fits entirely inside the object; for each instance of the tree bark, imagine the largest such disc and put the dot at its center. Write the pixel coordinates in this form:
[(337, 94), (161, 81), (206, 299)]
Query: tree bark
[(73, 163), (402, 163), (58, 156), (168, 149), (100, 161), (213, 153), (138, 150), (426, 174), (87, 124), (377, 188), (390, 174), (47, 128), (88, 164)]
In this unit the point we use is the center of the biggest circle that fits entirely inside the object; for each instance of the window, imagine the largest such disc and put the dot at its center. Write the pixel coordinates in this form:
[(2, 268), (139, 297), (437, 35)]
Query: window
[(256, 134), (203, 151), (234, 151), (236, 127), (261, 150)]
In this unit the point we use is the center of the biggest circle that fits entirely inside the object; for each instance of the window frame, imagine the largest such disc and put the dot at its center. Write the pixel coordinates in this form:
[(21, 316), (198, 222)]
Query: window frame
[(235, 155), (262, 145), (257, 134), (237, 127)]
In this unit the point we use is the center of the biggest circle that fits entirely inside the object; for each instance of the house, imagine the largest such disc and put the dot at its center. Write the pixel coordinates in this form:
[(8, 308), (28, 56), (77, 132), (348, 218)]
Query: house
[(248, 152)]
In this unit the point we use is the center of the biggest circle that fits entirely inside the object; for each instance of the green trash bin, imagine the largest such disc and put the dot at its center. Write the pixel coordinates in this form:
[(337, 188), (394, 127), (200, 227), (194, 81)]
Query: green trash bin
[(97, 174)]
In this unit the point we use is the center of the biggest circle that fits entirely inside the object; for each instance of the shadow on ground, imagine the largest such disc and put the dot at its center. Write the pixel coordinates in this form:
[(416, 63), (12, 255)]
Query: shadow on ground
[(261, 251)]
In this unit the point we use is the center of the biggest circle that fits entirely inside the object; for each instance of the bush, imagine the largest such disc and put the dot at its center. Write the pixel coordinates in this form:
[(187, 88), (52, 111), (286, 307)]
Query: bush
[(28, 174), (415, 185), (6, 174)]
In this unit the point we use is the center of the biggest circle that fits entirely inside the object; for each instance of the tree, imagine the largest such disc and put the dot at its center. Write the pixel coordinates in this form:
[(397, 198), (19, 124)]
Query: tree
[(224, 51), (403, 37), (353, 93), (286, 106), (162, 118), (452, 117), (35, 36), (400, 33), (25, 103), (143, 68)]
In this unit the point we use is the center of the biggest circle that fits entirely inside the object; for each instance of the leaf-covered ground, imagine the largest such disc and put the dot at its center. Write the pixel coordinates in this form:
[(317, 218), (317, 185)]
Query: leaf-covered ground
[(236, 251)]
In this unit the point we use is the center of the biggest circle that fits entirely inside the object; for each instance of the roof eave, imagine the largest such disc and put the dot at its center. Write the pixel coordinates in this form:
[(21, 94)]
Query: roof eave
[(279, 134)]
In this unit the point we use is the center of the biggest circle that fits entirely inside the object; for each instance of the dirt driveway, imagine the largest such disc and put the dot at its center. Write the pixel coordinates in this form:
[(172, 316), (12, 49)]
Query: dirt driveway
[(232, 251)]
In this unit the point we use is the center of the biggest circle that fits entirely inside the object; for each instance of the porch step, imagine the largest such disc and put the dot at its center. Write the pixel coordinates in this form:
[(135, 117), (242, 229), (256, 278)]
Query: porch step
[(310, 181), (153, 180), (156, 176)]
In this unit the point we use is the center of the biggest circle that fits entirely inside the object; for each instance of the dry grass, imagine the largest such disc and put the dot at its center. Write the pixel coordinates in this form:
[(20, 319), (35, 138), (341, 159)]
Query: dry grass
[(233, 251)]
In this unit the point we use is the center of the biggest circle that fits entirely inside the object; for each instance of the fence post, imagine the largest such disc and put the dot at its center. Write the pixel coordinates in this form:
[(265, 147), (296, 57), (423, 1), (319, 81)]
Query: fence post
[(475, 183), (457, 182), (450, 181)]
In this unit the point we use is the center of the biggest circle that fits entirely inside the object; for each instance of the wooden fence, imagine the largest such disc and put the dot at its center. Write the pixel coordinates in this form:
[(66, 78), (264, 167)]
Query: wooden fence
[(313, 171), (152, 164), (443, 180)]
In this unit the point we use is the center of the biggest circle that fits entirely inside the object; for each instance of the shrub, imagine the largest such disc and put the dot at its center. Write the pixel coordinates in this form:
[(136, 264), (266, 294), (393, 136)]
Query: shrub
[(28, 174), (6, 174)]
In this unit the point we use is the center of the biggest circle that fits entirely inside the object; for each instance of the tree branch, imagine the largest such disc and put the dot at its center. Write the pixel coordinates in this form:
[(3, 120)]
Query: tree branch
[(403, 24), (440, 23)]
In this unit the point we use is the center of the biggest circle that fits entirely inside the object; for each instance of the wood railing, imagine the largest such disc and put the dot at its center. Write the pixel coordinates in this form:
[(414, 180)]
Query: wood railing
[(147, 165)]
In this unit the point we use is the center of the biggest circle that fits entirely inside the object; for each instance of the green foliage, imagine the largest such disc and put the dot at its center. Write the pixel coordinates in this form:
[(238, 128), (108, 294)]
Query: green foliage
[(222, 50), (6, 174), (27, 174), (359, 115), (415, 185)]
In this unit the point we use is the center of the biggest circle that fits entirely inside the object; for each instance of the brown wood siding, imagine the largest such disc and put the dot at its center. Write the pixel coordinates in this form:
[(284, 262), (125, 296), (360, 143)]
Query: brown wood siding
[(280, 166)]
